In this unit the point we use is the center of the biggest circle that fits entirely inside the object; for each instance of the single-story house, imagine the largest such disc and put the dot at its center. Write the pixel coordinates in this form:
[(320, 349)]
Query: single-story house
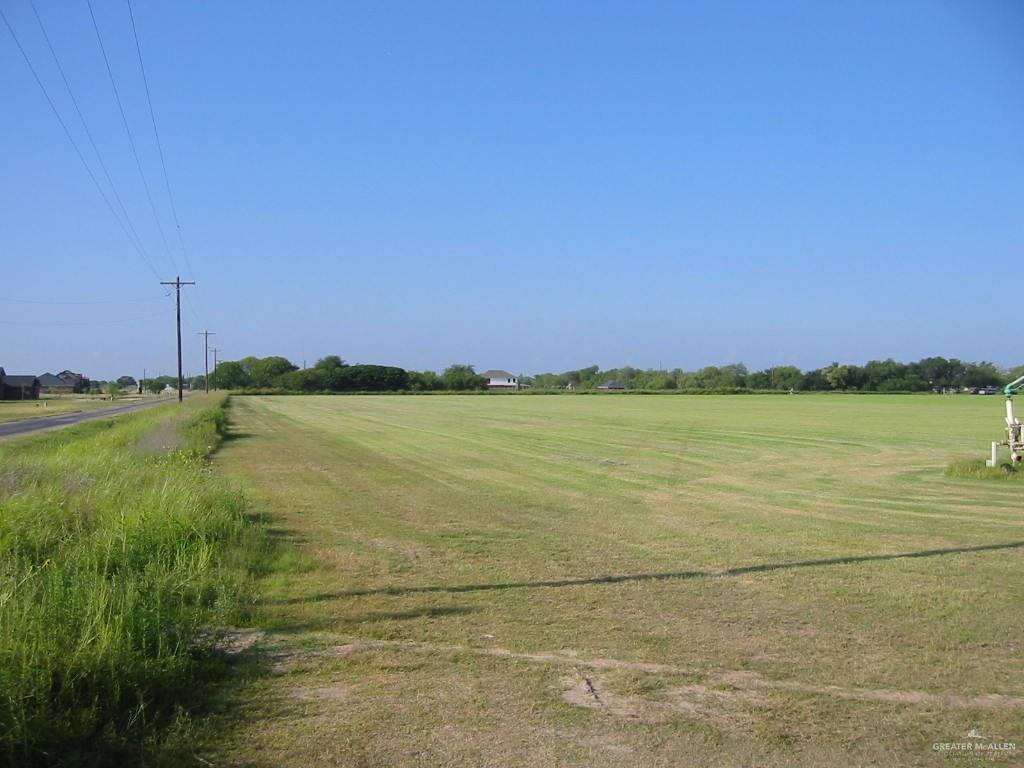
[(611, 384), (15, 387), (501, 380)]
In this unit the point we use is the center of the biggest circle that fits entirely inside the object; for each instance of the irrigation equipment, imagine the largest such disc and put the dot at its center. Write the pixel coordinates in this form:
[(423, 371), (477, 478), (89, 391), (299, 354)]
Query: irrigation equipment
[(1014, 438)]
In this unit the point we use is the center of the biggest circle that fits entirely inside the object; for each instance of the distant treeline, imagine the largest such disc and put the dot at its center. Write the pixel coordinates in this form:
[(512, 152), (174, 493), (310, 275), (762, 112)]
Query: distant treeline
[(332, 374), (932, 373)]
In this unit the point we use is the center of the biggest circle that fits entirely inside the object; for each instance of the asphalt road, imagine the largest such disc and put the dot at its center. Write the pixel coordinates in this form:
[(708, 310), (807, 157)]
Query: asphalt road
[(26, 426)]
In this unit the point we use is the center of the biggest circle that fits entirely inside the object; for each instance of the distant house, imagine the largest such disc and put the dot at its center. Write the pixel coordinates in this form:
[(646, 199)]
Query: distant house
[(501, 380), (14, 387), (610, 384), (64, 383), (53, 384), (570, 387)]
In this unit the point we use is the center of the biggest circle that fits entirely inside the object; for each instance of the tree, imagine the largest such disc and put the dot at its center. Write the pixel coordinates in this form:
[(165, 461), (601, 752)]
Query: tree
[(787, 377), (815, 381), (879, 373), (370, 378), (113, 389), (939, 373), (837, 376), (424, 381), (462, 377), (232, 375), (265, 372), (127, 382), (329, 363), (985, 374), (155, 386), (309, 380)]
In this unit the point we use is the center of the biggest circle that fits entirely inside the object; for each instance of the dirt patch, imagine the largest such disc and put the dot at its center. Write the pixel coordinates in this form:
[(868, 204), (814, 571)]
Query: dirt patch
[(729, 711), (233, 642), (718, 696), (580, 692)]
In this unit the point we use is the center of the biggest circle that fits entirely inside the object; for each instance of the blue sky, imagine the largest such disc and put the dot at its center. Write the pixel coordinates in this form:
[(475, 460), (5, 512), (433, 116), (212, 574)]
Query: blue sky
[(532, 186)]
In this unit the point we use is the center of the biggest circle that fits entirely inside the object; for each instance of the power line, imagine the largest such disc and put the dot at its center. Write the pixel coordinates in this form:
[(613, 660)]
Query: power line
[(77, 323), (131, 139), (85, 126), (192, 309), (74, 144), (163, 165), (159, 144), (92, 301)]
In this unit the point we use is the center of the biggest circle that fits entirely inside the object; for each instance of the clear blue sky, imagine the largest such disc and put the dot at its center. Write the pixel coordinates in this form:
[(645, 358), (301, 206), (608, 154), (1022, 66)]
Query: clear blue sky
[(531, 186)]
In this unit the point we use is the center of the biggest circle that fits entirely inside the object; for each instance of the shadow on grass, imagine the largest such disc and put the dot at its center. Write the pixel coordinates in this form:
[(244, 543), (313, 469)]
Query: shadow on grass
[(638, 577), (231, 435)]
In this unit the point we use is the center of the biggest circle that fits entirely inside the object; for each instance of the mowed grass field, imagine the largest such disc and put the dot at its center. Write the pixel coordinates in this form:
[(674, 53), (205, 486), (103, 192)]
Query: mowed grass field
[(628, 581)]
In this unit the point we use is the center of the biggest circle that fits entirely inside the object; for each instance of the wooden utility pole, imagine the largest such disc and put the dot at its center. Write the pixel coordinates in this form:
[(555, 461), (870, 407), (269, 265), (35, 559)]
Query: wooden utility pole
[(206, 355), (177, 283), (215, 351)]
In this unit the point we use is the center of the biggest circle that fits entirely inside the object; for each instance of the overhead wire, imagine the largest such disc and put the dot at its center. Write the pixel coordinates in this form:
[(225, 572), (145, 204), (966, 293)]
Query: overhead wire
[(159, 144), (90, 301), (76, 323), (163, 163), (74, 145), (131, 138), (85, 127)]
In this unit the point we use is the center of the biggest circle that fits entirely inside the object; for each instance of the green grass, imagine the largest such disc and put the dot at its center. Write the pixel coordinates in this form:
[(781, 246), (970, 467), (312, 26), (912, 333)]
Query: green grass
[(979, 470), (112, 560), (762, 580)]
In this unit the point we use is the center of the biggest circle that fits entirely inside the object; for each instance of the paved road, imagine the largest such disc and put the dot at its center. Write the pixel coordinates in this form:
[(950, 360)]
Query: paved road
[(13, 428)]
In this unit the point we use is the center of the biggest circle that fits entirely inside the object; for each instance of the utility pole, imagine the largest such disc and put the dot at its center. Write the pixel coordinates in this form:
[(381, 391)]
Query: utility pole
[(215, 351), (177, 283), (206, 355)]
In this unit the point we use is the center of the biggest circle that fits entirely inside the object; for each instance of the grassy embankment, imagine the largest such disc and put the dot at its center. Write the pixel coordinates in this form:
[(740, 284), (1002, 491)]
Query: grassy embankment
[(117, 546), (629, 581)]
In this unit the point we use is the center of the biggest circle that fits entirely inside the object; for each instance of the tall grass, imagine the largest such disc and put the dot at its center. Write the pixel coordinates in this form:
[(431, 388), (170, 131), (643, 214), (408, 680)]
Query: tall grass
[(978, 470), (111, 560)]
